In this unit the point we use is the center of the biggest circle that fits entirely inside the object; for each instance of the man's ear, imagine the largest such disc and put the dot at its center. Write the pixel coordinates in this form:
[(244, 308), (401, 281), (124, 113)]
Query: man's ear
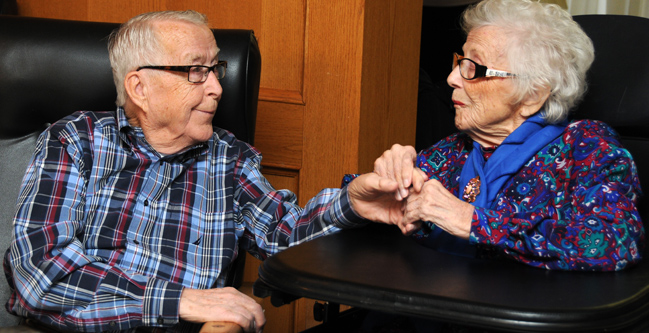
[(136, 89), (533, 103)]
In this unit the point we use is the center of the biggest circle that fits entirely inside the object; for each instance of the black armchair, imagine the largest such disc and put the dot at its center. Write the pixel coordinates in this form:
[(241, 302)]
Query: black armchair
[(51, 68), (618, 84)]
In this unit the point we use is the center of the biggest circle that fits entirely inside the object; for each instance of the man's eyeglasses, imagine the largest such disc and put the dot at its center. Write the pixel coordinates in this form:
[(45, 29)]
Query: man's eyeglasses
[(197, 73), (470, 69)]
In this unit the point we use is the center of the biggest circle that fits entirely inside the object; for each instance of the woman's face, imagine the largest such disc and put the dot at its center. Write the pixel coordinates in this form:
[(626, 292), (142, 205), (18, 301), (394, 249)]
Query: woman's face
[(482, 105)]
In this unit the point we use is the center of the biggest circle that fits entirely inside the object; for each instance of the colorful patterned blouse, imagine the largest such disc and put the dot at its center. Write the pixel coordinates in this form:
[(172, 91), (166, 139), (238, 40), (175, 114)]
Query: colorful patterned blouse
[(572, 207)]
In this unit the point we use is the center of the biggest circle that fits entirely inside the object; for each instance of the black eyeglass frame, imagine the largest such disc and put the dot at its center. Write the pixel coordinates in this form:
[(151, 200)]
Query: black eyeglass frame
[(480, 70), (188, 69)]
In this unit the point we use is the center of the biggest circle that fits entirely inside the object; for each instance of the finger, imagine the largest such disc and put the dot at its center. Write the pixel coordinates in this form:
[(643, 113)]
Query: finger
[(383, 164), (387, 185), (412, 228), (397, 158), (419, 178), (406, 166), (258, 319), (249, 316)]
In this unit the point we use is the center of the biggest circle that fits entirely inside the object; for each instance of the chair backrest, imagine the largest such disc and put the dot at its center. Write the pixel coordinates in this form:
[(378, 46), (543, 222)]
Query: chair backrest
[(51, 68), (618, 84)]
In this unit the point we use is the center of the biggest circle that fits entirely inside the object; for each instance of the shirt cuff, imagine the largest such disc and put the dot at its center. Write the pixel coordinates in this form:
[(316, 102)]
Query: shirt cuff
[(343, 214), (161, 302)]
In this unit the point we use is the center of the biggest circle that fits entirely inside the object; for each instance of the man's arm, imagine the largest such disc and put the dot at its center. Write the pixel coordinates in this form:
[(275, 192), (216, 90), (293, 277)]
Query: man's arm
[(271, 220)]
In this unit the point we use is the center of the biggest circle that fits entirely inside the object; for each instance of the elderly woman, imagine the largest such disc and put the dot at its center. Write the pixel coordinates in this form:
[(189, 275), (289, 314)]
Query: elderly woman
[(519, 180)]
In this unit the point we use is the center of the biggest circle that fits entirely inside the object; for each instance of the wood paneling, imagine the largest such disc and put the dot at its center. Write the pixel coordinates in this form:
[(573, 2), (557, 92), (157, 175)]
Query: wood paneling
[(387, 81), (332, 92), (69, 10), (282, 45), (360, 88), (279, 134)]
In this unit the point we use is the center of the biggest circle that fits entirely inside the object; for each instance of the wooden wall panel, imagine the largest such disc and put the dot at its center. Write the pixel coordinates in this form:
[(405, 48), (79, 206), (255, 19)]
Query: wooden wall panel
[(332, 92), (120, 10), (282, 47), (279, 134), (388, 89), (227, 14), (361, 86), (68, 10)]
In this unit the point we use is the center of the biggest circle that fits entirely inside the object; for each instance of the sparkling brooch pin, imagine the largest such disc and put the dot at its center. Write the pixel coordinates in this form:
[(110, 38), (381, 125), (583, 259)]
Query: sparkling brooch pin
[(472, 189)]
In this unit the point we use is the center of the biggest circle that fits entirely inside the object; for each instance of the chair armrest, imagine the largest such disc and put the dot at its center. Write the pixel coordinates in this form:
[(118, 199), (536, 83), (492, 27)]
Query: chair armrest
[(220, 327)]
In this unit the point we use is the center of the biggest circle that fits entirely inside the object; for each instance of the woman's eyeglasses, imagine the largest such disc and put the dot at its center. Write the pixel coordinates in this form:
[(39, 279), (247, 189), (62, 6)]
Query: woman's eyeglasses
[(470, 69)]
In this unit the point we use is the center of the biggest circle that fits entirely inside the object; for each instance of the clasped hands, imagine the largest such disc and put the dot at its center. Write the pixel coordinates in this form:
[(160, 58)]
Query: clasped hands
[(405, 197)]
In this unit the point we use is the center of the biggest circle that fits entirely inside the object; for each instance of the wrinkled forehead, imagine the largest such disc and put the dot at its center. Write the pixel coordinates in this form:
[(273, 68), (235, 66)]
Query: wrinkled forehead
[(187, 42), (488, 44)]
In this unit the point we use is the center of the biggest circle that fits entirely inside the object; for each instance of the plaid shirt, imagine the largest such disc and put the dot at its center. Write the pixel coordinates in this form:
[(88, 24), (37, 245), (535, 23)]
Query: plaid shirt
[(108, 232)]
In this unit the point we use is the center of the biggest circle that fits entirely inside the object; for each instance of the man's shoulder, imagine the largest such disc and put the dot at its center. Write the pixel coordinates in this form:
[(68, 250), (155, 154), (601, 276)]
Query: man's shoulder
[(225, 139), (85, 121)]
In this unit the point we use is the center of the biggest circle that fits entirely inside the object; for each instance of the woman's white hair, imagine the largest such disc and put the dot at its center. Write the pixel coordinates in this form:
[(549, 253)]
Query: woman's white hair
[(546, 48), (135, 43)]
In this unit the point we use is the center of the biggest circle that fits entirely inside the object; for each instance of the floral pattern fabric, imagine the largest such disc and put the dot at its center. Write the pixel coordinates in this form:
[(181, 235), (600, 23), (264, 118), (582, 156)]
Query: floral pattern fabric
[(571, 207)]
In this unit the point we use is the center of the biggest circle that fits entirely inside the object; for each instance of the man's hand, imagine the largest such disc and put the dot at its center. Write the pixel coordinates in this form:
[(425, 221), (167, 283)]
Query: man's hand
[(398, 163), (221, 304), (372, 197)]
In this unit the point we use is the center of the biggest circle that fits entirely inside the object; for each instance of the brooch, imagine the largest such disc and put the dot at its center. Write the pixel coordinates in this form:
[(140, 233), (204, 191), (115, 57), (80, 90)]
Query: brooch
[(472, 189)]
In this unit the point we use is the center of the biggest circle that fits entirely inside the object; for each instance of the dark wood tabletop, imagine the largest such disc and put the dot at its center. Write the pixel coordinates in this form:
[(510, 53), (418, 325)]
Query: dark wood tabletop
[(377, 268)]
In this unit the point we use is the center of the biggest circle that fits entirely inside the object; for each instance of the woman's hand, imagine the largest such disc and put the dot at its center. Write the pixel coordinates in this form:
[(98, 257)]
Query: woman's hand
[(434, 203), (398, 163)]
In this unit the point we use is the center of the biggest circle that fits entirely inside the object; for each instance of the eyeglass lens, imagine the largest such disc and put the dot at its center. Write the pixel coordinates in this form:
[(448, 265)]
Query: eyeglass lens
[(198, 74), (467, 67)]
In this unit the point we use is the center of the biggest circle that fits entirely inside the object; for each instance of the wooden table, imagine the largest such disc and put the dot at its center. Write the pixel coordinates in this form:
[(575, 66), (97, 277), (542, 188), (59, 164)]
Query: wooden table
[(377, 268)]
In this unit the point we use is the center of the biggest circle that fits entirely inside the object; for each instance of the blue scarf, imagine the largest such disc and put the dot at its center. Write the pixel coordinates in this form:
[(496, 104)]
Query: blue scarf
[(514, 152)]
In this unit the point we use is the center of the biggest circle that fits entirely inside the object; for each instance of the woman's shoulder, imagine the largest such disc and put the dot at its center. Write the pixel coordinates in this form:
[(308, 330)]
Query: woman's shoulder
[(588, 129), (592, 126)]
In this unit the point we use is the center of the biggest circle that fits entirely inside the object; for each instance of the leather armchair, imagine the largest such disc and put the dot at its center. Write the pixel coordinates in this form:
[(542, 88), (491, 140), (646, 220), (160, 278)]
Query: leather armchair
[(51, 68)]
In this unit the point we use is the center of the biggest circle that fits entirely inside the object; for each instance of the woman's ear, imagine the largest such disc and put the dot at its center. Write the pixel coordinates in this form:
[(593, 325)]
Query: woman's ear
[(534, 102), (136, 89)]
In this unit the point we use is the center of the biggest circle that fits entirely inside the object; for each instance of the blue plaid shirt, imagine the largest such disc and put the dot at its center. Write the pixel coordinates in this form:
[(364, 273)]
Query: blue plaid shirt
[(108, 232)]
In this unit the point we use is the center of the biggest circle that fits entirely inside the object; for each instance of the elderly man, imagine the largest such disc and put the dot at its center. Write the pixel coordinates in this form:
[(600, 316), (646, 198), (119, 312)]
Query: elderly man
[(130, 219)]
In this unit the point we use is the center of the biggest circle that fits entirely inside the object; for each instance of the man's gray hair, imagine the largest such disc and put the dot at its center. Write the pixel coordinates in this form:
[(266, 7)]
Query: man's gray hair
[(135, 43), (546, 48)]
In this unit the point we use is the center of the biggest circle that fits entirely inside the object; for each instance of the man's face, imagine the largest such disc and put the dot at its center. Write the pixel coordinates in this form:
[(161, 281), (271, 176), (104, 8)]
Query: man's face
[(180, 112)]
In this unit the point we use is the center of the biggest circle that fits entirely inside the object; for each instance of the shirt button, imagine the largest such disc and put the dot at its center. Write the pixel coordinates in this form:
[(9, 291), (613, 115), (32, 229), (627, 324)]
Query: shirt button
[(112, 324), (136, 241), (146, 202), (161, 320)]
